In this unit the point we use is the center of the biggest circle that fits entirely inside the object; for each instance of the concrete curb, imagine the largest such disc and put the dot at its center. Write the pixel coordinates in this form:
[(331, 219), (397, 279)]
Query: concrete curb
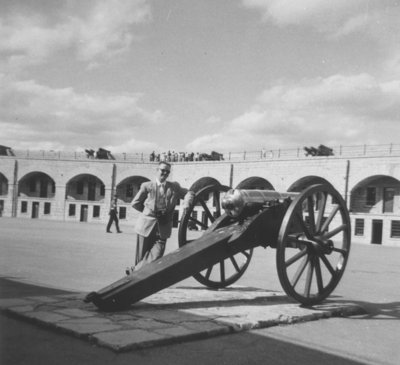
[(171, 316)]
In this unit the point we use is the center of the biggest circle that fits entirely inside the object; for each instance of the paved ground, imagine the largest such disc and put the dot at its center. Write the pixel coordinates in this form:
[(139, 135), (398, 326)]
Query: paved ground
[(173, 315), (371, 281)]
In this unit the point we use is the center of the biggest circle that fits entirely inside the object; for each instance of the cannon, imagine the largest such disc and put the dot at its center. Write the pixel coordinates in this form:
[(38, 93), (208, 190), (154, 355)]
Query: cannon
[(310, 231)]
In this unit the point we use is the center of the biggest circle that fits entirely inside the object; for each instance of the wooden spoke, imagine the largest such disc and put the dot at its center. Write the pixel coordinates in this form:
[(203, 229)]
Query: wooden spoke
[(296, 257), (330, 218), (321, 212), (208, 273), (222, 270), (335, 231), (217, 197), (328, 264), (309, 275), (341, 251), (201, 224), (299, 271), (318, 275), (207, 211), (311, 218), (304, 227), (234, 263)]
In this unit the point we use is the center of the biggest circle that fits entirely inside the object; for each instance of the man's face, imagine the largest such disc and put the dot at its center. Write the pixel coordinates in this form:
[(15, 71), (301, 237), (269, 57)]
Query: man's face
[(163, 172)]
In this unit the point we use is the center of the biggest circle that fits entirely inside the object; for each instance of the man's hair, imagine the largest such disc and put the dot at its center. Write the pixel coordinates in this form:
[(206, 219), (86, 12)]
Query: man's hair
[(164, 163)]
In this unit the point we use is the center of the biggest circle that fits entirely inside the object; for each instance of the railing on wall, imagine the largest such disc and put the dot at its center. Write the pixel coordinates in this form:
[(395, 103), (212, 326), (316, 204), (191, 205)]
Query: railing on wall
[(255, 155)]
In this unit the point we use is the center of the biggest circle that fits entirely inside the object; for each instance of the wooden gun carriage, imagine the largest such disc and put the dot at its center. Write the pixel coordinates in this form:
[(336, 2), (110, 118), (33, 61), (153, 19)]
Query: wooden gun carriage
[(310, 231)]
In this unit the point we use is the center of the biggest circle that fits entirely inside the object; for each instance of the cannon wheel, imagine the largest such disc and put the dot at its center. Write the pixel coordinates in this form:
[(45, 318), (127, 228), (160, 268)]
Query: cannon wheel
[(313, 244), (225, 272)]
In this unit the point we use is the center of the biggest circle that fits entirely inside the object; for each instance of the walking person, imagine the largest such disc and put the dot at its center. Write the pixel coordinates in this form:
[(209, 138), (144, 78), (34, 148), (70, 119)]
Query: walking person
[(113, 217), (156, 201)]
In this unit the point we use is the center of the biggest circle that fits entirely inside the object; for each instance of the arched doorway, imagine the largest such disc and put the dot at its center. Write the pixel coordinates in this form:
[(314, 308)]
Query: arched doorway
[(84, 197), (374, 207), (36, 192), (255, 182), (307, 181), (125, 192), (3, 192)]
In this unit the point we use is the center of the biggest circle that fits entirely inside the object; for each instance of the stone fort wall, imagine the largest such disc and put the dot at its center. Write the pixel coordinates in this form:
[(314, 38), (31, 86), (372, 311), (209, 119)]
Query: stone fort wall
[(346, 174)]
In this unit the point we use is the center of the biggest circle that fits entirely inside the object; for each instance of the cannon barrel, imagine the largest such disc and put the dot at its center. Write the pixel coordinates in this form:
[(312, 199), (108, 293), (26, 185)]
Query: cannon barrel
[(236, 200)]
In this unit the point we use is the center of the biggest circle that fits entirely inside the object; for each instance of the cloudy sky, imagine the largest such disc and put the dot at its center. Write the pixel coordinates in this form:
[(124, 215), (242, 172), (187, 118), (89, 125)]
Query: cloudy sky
[(198, 75)]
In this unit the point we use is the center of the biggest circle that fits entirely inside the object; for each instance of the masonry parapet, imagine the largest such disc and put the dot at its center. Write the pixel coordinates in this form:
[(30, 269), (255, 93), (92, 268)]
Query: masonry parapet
[(255, 155)]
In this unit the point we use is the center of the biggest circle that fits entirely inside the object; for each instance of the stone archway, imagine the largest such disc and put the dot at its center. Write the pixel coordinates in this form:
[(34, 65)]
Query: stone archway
[(3, 185), (374, 202), (36, 184), (306, 181), (85, 187), (255, 182), (128, 188), (203, 182)]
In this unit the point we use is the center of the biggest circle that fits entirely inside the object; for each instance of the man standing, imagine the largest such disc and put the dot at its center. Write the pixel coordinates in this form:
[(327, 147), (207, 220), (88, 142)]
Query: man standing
[(113, 217), (156, 200)]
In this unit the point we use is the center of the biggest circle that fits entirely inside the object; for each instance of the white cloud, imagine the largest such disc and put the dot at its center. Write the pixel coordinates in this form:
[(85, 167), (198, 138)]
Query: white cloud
[(353, 24), (336, 18), (336, 110), (374, 20), (102, 30), (70, 119), (322, 14), (27, 40), (106, 30), (354, 95)]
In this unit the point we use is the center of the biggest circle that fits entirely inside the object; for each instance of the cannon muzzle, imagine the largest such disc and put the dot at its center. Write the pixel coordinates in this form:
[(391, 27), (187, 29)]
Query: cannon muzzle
[(236, 200)]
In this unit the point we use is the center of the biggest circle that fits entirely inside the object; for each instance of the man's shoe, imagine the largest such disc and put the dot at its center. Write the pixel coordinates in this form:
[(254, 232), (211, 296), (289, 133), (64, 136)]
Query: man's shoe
[(109, 232), (119, 232)]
